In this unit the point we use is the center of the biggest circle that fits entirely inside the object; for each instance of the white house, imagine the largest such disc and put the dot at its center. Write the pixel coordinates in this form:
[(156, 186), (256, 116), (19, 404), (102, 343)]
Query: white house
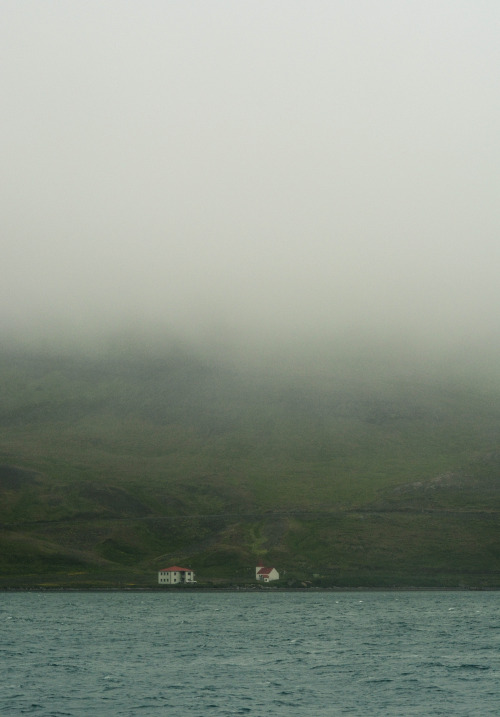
[(266, 574), (175, 575)]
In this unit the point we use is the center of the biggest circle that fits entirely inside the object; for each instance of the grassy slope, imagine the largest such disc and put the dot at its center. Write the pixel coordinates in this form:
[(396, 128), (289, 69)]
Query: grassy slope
[(113, 467)]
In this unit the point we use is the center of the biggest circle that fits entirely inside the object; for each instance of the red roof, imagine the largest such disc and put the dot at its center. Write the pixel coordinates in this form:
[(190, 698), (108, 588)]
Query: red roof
[(175, 569), (265, 571)]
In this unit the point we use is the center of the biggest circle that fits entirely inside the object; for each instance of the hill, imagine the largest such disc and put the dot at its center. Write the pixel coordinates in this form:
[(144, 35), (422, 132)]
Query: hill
[(338, 470)]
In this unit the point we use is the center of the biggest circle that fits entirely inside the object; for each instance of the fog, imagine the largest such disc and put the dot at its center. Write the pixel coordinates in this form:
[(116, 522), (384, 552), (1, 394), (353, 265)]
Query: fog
[(271, 170)]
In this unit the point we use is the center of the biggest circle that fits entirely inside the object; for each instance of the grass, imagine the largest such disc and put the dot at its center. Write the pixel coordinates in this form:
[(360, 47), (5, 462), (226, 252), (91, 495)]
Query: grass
[(113, 466)]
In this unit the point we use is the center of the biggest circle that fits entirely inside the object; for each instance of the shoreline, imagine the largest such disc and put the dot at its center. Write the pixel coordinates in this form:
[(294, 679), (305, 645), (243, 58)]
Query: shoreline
[(258, 590)]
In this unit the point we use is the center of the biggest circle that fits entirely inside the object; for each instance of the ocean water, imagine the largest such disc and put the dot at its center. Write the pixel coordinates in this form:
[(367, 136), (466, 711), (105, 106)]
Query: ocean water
[(250, 653)]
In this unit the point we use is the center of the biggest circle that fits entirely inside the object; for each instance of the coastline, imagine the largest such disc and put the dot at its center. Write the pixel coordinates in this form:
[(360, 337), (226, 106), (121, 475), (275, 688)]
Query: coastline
[(257, 590)]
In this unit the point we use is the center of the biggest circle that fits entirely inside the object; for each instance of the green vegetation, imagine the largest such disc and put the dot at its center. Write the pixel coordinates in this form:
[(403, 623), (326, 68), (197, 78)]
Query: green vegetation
[(337, 473)]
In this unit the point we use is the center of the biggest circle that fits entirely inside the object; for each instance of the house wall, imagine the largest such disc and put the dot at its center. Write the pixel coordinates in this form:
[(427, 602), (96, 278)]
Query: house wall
[(273, 575), (174, 577)]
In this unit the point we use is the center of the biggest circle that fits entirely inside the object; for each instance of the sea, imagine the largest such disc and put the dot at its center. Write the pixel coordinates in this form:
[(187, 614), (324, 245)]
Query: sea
[(257, 653)]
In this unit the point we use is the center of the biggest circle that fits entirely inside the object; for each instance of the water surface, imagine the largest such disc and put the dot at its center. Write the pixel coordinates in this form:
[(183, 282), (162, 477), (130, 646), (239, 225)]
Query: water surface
[(265, 653)]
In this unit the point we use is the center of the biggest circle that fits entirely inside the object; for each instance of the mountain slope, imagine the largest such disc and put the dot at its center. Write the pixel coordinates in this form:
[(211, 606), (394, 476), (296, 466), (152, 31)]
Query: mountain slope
[(113, 465)]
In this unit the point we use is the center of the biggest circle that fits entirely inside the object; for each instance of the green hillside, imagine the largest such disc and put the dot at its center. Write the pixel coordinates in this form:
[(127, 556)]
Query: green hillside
[(338, 471)]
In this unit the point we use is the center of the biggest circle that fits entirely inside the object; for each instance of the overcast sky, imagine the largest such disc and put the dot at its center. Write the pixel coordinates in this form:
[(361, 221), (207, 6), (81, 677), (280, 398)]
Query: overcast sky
[(266, 167)]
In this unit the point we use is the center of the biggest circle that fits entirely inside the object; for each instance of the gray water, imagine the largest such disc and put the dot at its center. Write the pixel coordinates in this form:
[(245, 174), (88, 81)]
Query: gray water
[(265, 653)]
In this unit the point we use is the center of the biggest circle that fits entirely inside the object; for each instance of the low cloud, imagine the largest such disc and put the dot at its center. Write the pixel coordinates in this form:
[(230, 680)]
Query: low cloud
[(258, 172)]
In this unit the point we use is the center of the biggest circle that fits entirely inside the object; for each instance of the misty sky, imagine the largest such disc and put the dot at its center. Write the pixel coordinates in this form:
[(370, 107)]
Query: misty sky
[(266, 167)]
